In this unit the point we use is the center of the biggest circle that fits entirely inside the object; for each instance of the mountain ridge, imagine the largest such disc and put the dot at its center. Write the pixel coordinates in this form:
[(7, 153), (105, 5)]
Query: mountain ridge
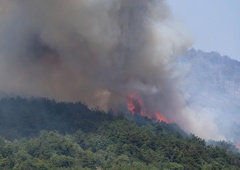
[(212, 83)]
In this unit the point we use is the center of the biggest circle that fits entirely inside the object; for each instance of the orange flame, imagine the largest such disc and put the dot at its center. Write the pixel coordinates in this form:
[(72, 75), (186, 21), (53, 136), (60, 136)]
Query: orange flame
[(161, 118), (135, 106)]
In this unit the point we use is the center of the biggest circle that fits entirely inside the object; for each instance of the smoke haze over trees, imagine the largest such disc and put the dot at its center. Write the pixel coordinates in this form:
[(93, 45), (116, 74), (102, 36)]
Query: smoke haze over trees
[(99, 52), (94, 139), (96, 52)]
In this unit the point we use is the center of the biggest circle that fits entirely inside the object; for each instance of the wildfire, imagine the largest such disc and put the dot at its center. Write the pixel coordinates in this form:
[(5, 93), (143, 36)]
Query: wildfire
[(161, 118), (135, 106)]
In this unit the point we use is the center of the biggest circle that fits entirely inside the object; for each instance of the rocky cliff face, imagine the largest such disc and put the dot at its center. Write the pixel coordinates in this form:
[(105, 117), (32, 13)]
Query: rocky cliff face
[(212, 82)]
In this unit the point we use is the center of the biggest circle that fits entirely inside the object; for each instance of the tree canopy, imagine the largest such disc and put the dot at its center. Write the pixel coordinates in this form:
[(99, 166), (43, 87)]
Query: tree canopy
[(44, 134)]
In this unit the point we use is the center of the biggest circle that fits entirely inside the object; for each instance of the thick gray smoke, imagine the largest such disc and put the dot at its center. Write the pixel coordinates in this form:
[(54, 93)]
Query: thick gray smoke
[(97, 52)]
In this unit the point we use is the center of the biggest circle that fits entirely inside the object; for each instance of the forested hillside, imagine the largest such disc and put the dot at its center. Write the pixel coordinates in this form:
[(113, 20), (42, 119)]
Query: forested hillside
[(44, 134)]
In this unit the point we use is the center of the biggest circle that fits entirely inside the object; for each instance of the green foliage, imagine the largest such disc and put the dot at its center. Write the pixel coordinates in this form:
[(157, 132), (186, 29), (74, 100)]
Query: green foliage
[(64, 136)]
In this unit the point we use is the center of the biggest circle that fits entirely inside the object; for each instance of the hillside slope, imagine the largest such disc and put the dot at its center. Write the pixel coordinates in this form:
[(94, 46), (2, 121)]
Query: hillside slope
[(93, 139)]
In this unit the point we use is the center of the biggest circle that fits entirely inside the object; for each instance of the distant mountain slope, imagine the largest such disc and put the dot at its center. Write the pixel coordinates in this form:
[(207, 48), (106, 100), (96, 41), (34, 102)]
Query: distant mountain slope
[(213, 73), (212, 82)]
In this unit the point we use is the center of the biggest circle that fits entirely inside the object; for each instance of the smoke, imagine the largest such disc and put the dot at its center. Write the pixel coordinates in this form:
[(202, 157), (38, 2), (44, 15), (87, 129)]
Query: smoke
[(93, 51), (98, 52), (211, 94)]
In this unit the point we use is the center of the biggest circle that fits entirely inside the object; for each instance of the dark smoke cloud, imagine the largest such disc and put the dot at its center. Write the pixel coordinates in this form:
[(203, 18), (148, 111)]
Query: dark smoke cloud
[(92, 51)]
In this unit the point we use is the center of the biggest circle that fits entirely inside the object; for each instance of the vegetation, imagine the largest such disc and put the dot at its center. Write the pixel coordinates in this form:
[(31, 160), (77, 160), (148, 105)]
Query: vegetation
[(43, 134)]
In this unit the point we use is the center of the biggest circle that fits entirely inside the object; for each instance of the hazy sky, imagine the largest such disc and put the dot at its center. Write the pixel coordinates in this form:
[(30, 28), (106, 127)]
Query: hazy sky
[(214, 24)]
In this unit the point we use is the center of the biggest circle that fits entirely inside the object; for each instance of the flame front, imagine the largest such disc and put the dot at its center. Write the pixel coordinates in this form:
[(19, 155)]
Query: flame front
[(136, 106), (161, 118)]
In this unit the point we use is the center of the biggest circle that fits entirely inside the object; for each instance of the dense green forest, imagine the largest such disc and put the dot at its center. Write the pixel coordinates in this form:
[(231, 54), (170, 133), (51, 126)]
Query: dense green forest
[(44, 134)]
